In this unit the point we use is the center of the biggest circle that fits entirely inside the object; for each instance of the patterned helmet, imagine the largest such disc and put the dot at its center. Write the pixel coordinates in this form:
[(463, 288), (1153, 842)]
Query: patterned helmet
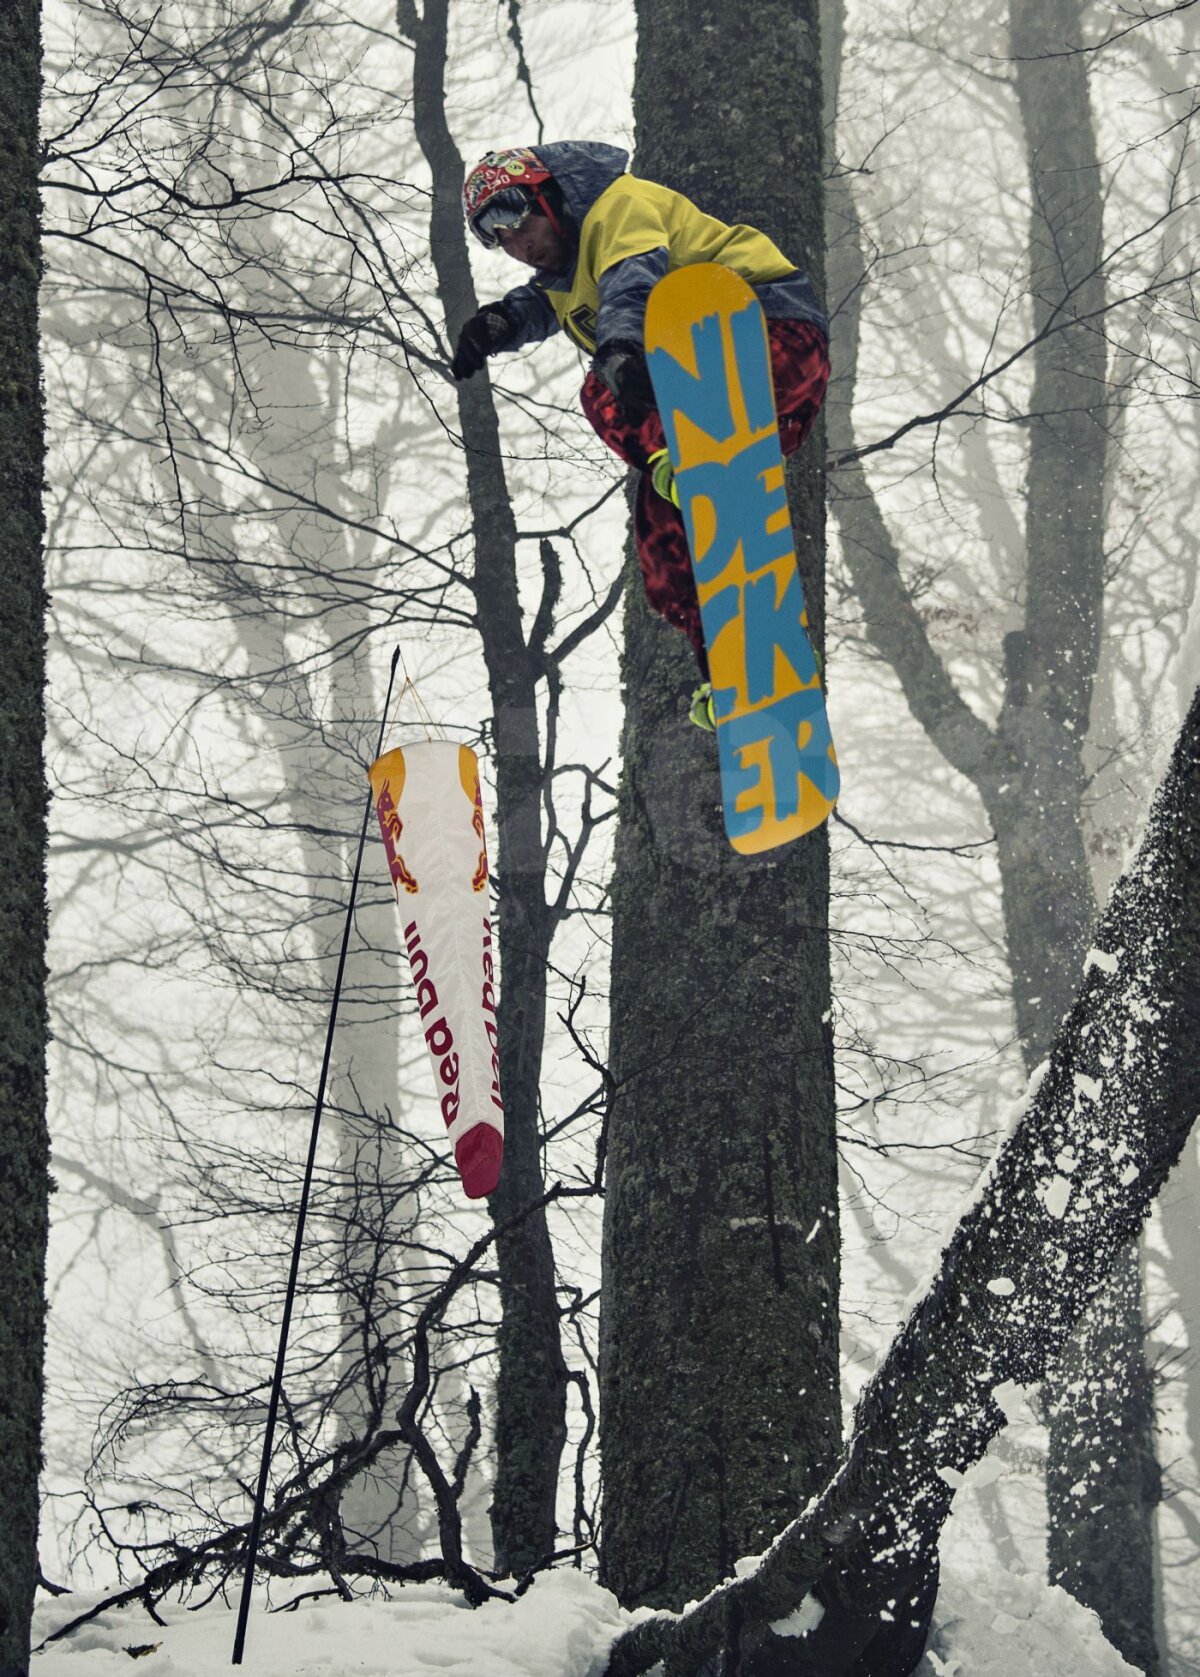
[(502, 190)]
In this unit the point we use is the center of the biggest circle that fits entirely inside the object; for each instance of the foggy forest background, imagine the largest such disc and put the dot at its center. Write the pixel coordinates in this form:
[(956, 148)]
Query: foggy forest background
[(262, 480)]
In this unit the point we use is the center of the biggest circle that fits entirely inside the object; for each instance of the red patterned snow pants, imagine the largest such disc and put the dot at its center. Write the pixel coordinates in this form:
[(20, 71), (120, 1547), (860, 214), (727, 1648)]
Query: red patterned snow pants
[(800, 369)]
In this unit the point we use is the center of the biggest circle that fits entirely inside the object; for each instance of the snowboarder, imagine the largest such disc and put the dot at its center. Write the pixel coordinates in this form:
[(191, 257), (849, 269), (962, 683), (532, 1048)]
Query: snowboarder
[(599, 240)]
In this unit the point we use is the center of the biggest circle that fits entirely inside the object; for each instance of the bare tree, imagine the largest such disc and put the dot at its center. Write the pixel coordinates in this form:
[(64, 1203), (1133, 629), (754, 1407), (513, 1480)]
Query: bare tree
[(1029, 768), (1065, 1195), (253, 428), (531, 1381)]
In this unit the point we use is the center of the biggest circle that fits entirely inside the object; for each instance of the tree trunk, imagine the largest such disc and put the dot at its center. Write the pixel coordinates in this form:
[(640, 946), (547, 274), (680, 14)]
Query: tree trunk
[(531, 1378), (1063, 1200), (24, 1146), (1101, 1496), (1051, 664), (1102, 1480), (719, 1308)]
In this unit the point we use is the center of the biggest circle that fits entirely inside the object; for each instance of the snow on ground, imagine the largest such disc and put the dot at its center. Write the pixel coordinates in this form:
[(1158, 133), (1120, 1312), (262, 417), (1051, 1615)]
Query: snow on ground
[(1002, 1625), (559, 1628), (989, 1623)]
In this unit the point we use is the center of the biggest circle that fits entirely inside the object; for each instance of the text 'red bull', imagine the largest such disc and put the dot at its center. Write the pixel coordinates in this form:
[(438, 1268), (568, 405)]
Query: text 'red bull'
[(391, 826), (476, 1147)]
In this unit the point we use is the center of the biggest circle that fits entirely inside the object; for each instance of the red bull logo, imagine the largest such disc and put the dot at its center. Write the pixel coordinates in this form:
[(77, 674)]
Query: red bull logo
[(468, 773), (391, 826), (479, 878)]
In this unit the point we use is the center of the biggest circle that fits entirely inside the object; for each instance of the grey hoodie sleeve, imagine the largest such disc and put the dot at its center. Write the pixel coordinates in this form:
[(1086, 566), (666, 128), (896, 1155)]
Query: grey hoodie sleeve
[(624, 292), (531, 314)]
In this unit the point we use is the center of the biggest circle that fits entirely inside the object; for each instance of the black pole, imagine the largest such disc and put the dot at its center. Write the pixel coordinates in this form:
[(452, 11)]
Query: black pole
[(239, 1640)]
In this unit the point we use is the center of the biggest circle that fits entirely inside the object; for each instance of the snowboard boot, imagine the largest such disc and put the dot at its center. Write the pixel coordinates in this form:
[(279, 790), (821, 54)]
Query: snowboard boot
[(701, 712), (662, 476)]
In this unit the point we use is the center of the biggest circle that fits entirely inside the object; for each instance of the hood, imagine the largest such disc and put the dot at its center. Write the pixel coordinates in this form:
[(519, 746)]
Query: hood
[(583, 169)]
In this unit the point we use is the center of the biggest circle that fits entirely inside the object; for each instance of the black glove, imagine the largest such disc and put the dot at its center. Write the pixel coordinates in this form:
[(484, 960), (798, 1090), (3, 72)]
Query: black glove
[(483, 335), (622, 367)]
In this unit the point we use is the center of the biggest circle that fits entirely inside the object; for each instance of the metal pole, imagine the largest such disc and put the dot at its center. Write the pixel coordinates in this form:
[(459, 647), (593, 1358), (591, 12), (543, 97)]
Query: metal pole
[(239, 1640)]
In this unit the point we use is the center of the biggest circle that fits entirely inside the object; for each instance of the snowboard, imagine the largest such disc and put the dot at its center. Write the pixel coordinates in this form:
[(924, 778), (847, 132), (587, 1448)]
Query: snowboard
[(710, 364)]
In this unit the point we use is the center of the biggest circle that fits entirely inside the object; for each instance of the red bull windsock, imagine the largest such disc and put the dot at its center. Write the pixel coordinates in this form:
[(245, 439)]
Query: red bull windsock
[(431, 816)]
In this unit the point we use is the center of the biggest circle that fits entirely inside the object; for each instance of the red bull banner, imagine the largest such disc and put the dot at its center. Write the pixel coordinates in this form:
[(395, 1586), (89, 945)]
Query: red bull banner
[(427, 798)]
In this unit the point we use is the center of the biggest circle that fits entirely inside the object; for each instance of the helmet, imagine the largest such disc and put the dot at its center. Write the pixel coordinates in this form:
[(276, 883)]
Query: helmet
[(503, 190)]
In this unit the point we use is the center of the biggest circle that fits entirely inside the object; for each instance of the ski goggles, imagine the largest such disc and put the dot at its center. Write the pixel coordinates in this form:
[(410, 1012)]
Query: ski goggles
[(507, 212)]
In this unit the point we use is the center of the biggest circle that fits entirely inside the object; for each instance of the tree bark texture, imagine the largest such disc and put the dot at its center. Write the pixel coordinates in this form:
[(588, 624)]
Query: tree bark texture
[(1029, 769), (1051, 663), (531, 1377), (1103, 1480), (24, 1147), (719, 1306), (1064, 1198)]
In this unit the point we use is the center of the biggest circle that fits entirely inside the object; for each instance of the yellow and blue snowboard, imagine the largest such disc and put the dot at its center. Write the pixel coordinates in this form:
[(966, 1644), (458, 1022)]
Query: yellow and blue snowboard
[(710, 363)]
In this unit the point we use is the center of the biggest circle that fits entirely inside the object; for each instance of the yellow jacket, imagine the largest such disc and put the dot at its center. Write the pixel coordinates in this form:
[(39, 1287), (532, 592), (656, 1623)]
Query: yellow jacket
[(630, 233)]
